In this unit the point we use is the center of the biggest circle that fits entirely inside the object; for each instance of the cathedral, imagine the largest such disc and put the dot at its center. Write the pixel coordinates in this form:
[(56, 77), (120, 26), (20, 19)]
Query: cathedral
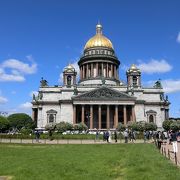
[(99, 99)]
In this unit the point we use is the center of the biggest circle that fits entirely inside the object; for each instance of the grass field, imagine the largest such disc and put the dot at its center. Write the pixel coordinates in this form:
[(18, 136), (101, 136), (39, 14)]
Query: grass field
[(96, 162)]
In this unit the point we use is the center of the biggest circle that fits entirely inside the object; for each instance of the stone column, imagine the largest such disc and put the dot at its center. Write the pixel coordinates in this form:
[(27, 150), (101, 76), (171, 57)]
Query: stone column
[(125, 114), (108, 118), (116, 116), (80, 72), (96, 69), (102, 69), (139, 77), (99, 116), (82, 113), (133, 114), (115, 72), (92, 70), (111, 70), (87, 71), (83, 71), (91, 117), (64, 79), (33, 114), (74, 114), (107, 70)]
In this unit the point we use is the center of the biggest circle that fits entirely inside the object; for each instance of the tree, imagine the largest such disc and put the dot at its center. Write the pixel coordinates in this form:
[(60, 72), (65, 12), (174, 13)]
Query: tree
[(166, 124), (19, 120), (174, 126), (4, 124)]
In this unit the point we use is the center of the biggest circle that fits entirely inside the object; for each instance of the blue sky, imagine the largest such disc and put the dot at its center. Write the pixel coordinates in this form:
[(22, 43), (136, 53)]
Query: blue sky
[(38, 38)]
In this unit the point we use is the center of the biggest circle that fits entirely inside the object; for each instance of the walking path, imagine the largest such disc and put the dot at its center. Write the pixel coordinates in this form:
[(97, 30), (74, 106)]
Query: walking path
[(62, 141), (167, 150)]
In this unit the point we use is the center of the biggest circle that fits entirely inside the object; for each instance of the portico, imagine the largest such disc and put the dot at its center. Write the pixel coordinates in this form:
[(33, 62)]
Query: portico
[(103, 108), (103, 116)]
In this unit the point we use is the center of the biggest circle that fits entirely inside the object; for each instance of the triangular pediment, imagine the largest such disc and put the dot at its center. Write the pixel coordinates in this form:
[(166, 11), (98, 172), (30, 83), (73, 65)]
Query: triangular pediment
[(103, 93)]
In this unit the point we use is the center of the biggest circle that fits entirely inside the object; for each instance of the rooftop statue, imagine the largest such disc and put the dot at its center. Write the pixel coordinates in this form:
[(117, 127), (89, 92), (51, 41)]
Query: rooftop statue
[(43, 82), (158, 84)]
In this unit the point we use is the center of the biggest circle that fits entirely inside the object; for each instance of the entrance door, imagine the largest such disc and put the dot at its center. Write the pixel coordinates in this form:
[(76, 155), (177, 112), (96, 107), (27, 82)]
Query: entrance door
[(103, 117)]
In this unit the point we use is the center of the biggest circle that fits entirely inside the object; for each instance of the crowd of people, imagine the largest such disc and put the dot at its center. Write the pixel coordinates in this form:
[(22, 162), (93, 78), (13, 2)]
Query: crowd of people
[(171, 137), (158, 137)]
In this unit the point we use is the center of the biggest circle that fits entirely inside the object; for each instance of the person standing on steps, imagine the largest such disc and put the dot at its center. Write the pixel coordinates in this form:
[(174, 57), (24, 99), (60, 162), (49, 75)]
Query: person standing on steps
[(115, 136), (107, 136)]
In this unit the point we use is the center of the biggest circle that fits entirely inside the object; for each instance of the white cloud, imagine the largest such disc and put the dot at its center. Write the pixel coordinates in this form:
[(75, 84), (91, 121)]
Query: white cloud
[(26, 105), (75, 65), (20, 66), (16, 69), (171, 86), (3, 100), (10, 77), (155, 66), (178, 38)]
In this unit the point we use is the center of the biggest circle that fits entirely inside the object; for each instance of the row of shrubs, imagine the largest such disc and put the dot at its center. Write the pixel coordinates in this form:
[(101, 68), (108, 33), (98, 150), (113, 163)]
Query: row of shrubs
[(65, 126), (138, 126), (59, 136)]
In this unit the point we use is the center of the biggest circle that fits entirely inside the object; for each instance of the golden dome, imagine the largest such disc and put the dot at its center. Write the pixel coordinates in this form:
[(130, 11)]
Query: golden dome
[(69, 68), (133, 66), (98, 40)]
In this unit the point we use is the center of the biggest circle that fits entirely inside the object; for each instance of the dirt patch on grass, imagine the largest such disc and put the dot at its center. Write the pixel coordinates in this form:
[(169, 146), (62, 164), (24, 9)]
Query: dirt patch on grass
[(5, 177)]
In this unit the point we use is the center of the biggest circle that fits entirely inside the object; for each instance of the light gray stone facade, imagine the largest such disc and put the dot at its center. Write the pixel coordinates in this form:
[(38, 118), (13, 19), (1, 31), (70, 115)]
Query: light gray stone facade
[(100, 99)]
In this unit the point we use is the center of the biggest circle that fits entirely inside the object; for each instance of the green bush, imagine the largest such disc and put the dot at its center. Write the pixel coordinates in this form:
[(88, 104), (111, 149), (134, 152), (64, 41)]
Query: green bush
[(150, 126), (50, 126), (4, 124), (25, 131), (63, 126), (121, 127), (80, 127), (141, 126)]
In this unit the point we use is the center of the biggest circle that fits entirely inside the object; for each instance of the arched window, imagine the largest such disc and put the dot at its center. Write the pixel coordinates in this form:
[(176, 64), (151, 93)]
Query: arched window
[(151, 118), (134, 80), (68, 80), (51, 118)]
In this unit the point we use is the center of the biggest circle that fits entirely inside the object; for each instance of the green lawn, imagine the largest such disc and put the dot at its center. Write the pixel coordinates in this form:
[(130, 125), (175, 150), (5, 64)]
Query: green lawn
[(108, 161)]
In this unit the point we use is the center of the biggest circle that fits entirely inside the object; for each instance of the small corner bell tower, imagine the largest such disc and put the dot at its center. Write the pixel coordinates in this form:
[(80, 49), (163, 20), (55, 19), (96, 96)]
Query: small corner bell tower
[(133, 77), (69, 76)]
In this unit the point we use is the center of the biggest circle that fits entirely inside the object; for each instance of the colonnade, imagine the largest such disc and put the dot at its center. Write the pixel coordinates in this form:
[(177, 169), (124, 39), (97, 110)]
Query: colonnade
[(104, 69), (107, 116)]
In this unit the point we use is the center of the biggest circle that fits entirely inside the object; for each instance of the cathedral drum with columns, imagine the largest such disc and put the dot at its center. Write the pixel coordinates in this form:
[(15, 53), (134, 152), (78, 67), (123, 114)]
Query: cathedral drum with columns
[(100, 99)]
